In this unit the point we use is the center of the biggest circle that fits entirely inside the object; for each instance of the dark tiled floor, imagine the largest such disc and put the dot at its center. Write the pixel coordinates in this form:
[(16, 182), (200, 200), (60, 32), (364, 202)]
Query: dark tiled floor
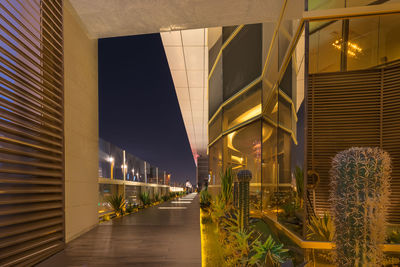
[(151, 237)]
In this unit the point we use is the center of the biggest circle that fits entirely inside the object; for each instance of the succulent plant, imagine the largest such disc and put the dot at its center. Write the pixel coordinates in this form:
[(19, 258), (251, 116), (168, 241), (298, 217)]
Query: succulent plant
[(359, 197), (205, 199), (117, 202)]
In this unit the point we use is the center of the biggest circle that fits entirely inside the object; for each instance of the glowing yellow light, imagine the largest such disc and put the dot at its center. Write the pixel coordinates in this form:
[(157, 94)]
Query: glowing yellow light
[(275, 108), (352, 48), (230, 139), (237, 159), (110, 159), (247, 115)]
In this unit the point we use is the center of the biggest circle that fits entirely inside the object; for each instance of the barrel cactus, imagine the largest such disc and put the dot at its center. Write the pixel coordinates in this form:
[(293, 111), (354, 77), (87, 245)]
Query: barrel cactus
[(360, 181)]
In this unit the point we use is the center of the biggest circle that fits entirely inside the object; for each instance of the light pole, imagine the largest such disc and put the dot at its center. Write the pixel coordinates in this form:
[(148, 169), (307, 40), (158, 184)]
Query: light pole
[(111, 160)]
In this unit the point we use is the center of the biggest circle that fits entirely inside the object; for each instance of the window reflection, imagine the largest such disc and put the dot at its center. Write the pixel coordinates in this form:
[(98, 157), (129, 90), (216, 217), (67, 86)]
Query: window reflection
[(243, 108), (269, 169), (367, 43), (242, 151), (215, 166)]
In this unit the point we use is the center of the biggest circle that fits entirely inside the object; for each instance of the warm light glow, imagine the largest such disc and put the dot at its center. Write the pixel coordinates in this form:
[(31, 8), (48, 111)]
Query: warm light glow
[(275, 108), (237, 159), (176, 189), (251, 113), (230, 139), (110, 159), (124, 166), (352, 48)]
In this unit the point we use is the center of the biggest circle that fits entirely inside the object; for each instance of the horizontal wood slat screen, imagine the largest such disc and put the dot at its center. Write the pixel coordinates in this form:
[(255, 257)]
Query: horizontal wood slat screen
[(355, 108), (31, 131)]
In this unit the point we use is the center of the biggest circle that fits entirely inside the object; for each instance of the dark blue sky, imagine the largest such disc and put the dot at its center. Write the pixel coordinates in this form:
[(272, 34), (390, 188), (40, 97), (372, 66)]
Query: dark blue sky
[(138, 107)]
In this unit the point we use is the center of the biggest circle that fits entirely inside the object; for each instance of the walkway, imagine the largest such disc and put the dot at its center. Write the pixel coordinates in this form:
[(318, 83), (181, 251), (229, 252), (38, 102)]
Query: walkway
[(164, 235)]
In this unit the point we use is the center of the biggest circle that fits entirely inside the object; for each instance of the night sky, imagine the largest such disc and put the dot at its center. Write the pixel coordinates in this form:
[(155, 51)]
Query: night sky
[(138, 107)]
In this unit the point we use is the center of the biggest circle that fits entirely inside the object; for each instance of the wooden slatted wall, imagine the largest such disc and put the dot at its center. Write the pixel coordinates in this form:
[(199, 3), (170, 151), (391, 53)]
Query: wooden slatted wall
[(31, 131), (355, 108), (391, 133)]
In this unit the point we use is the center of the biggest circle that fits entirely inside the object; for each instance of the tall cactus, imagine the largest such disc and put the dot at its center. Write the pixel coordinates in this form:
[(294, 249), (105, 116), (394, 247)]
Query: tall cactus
[(359, 196)]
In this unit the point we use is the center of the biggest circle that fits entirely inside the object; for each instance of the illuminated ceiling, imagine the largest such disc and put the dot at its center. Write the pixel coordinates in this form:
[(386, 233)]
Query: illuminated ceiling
[(187, 54), (111, 18)]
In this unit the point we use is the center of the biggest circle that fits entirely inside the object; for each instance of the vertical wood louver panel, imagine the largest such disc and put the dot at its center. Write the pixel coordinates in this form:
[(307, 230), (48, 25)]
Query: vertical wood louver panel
[(343, 111), (391, 134), (31, 131)]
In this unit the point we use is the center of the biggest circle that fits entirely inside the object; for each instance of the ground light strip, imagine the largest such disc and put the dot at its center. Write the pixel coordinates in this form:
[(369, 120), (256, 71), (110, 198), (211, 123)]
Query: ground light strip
[(172, 208), (203, 242), (181, 202)]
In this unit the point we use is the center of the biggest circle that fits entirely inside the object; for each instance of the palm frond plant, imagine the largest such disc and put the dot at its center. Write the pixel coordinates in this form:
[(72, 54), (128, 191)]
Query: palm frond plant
[(268, 253), (218, 210), (226, 186), (238, 247), (165, 198), (394, 236), (299, 176), (130, 207), (320, 229), (145, 198), (117, 203), (205, 199), (156, 197)]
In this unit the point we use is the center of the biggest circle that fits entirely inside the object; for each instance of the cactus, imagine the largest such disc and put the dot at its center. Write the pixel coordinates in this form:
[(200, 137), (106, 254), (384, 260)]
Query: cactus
[(244, 177), (359, 196)]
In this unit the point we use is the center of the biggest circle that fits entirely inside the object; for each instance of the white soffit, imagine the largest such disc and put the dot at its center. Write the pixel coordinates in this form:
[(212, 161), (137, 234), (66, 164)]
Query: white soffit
[(187, 54)]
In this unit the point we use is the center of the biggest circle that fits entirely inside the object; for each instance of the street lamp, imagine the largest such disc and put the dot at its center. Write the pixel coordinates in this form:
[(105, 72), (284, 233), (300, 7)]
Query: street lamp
[(124, 168), (111, 160)]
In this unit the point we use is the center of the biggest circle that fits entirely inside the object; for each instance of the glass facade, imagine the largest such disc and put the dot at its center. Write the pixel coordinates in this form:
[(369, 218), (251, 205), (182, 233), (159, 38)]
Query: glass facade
[(354, 44), (263, 123), (331, 4), (115, 163), (260, 126)]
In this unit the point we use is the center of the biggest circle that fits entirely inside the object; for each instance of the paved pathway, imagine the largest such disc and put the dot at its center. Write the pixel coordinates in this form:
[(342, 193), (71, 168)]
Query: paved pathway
[(164, 235)]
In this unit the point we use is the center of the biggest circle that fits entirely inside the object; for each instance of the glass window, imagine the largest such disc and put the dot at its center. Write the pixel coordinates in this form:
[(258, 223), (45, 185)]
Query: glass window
[(215, 128), (362, 46), (215, 163), (105, 191), (325, 47), (389, 38), (215, 89), (364, 43), (269, 167), (243, 108), (105, 159), (242, 60), (329, 4), (214, 44), (242, 151)]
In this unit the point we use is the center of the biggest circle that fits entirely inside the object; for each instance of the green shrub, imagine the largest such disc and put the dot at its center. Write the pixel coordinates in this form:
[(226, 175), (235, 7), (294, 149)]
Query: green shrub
[(268, 253), (205, 199), (117, 202), (359, 197), (320, 229), (394, 237), (299, 176), (165, 198), (156, 197), (130, 207), (226, 186), (145, 198)]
